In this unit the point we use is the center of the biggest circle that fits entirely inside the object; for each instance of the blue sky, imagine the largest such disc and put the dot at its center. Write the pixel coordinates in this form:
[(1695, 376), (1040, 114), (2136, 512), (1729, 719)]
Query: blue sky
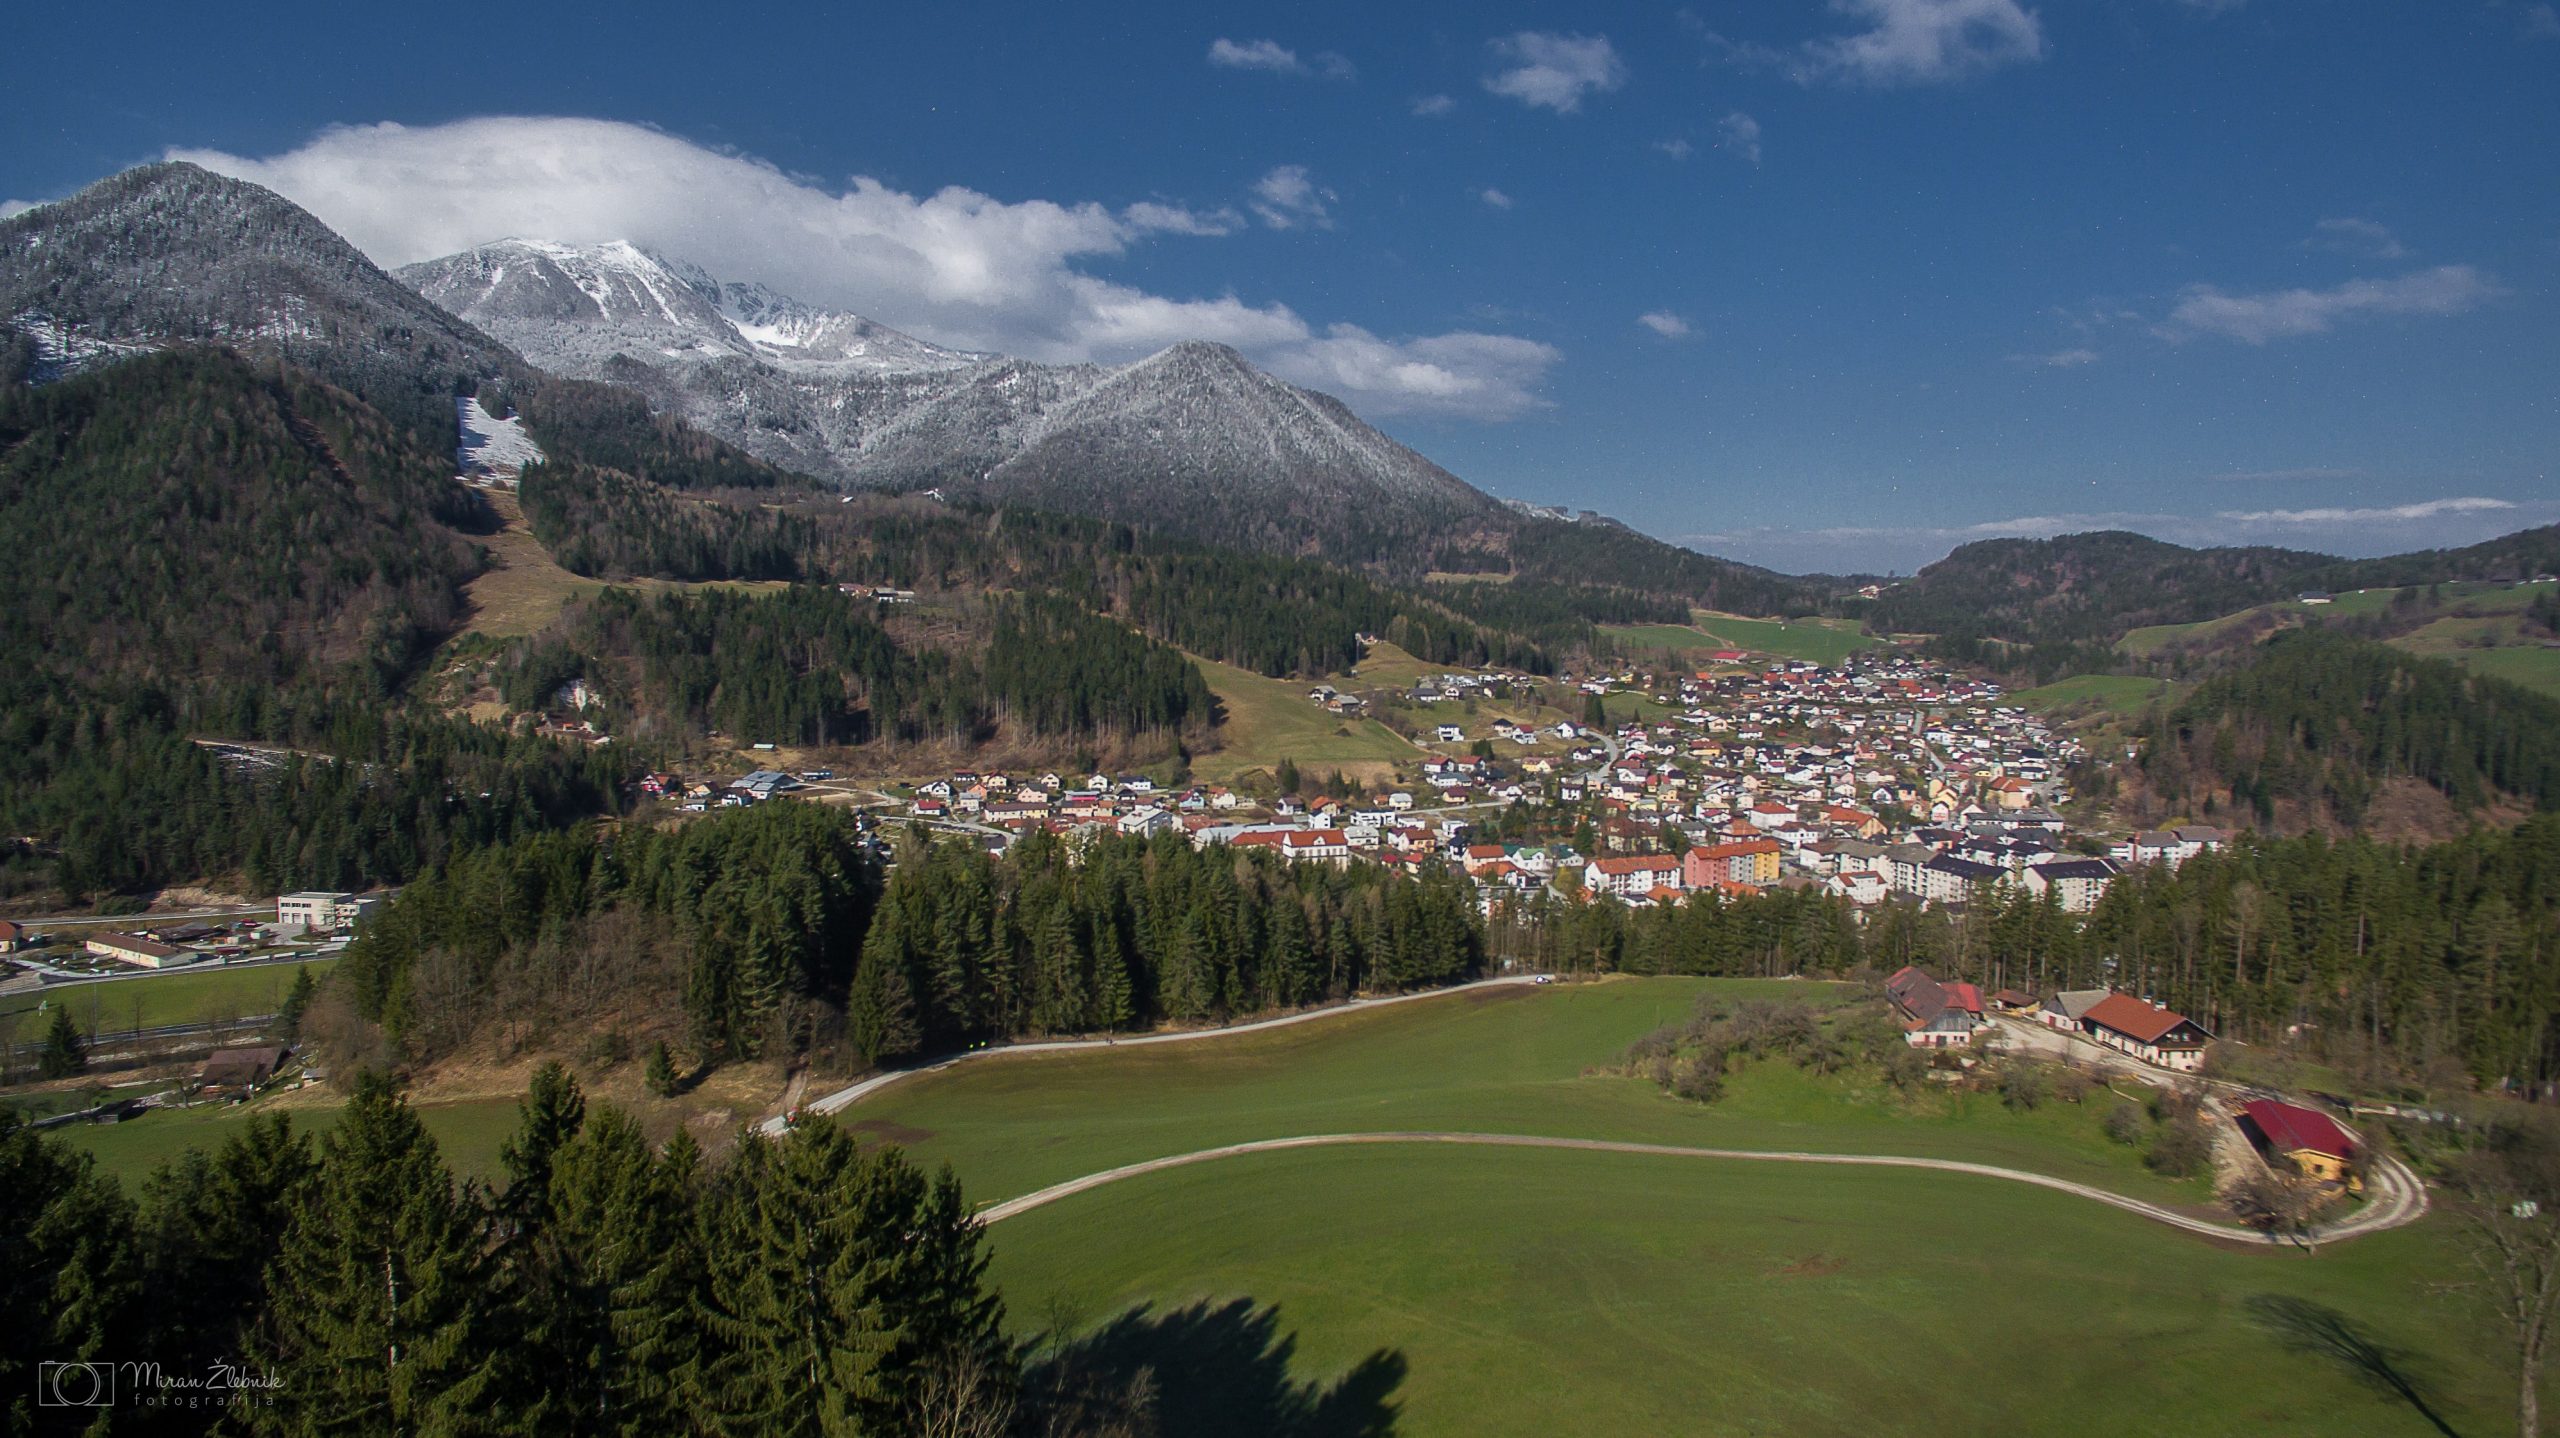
[(1823, 286)]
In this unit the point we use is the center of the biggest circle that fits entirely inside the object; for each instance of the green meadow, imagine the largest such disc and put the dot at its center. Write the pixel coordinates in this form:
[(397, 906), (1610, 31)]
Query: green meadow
[(469, 1133), (1446, 1291), (210, 994), (1431, 1289)]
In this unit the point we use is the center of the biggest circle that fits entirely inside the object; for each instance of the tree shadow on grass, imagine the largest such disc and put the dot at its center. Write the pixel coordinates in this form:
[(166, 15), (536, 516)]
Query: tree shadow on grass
[(2323, 1332), (1216, 1370)]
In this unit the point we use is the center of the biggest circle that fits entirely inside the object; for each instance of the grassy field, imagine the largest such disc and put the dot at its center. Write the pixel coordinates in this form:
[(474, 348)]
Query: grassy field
[(1823, 641), (524, 589), (2533, 668), (1682, 638), (1820, 641), (1454, 1291), (469, 1133), (1501, 1060), (185, 996), (1270, 719), (2117, 693), (1444, 1290)]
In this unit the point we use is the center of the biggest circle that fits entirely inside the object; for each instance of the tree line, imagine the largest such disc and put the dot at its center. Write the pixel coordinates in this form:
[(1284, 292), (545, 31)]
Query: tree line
[(774, 930), (604, 1285), (1125, 933)]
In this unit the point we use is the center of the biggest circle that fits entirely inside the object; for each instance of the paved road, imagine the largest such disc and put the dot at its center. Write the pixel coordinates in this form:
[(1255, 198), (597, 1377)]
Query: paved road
[(2392, 1209), (844, 1098)]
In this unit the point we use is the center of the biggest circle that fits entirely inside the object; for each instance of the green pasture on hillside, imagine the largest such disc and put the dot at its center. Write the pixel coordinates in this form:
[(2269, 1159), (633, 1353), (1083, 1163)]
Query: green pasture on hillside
[(1268, 720), (1507, 1060), (1436, 1290)]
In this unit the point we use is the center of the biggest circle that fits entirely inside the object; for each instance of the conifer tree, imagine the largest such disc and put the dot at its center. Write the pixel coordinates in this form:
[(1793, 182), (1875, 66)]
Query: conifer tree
[(614, 1342), (212, 1225), (660, 1074), (376, 1303), (72, 1284), (64, 1054)]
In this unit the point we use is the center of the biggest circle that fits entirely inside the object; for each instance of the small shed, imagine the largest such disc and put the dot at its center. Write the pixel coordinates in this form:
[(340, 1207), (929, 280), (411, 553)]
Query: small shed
[(242, 1068)]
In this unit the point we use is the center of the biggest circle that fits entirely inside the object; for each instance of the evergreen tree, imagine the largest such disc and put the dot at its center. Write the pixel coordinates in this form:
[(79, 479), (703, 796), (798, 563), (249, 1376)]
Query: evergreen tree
[(212, 1226), (297, 1002), (377, 1303), (611, 1338), (71, 1276), (660, 1074), (64, 1054)]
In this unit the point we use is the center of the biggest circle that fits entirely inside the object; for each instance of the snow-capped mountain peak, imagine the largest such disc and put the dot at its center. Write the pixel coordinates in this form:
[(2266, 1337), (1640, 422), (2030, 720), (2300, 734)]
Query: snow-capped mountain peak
[(571, 307)]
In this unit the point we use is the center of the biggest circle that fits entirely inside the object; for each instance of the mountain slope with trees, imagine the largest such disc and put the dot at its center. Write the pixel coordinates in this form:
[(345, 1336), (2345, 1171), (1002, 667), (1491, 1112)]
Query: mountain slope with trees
[(2094, 587), (2315, 726)]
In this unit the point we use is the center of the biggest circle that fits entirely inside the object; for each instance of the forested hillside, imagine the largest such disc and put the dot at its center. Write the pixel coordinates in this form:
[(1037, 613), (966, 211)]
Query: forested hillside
[(2095, 587), (2314, 725), (196, 514), (1268, 613), (811, 666), (771, 930)]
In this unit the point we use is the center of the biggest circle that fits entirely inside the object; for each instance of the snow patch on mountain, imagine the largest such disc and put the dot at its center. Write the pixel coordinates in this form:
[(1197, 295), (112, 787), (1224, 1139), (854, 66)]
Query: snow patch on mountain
[(492, 447), (64, 350)]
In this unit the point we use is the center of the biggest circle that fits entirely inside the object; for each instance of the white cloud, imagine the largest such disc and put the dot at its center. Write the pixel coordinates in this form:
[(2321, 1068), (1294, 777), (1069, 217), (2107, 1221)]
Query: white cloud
[(1664, 323), (1494, 198), (1739, 133), (1289, 197), (2369, 238), (1464, 375), (16, 207), (2285, 314), (1268, 55), (1676, 148), (1432, 107), (1921, 42), (955, 266), (2394, 513), (2072, 358), (1181, 219), (1555, 71), (1276, 58)]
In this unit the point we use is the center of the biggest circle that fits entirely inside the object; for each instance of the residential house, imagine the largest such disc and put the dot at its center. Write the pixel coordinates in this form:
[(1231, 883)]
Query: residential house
[(2076, 884), (1631, 874), (2156, 1036), (1934, 1014)]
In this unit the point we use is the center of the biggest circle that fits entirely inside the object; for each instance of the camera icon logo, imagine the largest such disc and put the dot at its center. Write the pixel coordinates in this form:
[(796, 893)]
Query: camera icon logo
[(75, 1385)]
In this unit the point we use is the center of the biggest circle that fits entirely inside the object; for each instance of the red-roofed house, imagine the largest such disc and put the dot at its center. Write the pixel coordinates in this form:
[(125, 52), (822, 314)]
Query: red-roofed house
[(2153, 1035), (2307, 1138)]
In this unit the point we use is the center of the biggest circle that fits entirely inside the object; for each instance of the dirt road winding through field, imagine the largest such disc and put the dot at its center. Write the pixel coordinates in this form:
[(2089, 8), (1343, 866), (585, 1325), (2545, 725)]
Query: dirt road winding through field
[(2397, 1198)]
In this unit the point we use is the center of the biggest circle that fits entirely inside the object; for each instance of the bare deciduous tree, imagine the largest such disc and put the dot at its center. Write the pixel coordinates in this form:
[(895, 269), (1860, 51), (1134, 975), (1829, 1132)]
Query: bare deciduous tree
[(2509, 1208)]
